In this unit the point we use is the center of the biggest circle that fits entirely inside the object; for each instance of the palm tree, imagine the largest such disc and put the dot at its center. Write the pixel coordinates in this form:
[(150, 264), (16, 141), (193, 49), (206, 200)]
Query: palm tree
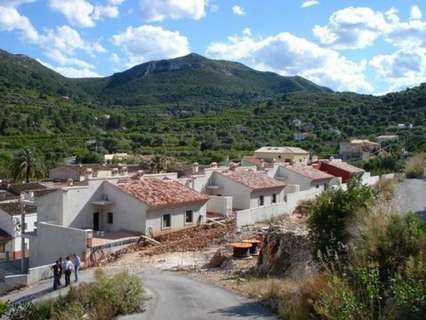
[(25, 165)]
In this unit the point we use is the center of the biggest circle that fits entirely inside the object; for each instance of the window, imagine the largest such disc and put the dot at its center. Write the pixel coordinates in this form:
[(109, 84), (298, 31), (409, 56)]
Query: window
[(261, 201), (274, 198), (189, 216), (2, 247), (110, 218), (166, 222)]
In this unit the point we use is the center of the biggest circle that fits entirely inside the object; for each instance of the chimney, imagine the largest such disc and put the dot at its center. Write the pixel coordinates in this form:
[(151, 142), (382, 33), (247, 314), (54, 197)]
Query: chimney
[(195, 168), (214, 164), (124, 171), (262, 164), (70, 182), (139, 174)]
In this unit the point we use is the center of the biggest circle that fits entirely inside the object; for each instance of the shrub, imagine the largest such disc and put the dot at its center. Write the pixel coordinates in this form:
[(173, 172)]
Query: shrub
[(415, 166), (331, 214)]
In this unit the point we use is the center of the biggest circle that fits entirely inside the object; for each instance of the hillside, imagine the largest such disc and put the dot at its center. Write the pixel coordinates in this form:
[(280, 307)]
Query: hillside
[(203, 126), (188, 80)]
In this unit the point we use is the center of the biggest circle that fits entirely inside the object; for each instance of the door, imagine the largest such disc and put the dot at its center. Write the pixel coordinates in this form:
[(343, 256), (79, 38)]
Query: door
[(96, 221)]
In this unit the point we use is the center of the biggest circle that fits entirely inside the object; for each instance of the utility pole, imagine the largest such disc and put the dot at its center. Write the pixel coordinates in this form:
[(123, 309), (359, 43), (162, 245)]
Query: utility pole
[(22, 210)]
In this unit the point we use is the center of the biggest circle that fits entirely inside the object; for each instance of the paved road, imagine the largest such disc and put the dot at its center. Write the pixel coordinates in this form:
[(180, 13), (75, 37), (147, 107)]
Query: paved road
[(177, 297), (170, 296), (411, 196)]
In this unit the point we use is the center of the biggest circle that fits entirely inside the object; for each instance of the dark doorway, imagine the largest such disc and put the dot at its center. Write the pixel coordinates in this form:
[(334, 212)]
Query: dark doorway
[(96, 221)]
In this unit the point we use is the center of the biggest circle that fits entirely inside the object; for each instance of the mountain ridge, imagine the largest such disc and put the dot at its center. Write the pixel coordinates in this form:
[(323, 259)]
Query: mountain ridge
[(182, 80)]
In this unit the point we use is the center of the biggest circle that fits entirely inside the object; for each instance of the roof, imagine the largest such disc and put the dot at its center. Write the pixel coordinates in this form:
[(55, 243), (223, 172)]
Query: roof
[(26, 187), (4, 236), (256, 162), (81, 168), (13, 208), (363, 141), (285, 149), (160, 193), (344, 166), (310, 172), (253, 180)]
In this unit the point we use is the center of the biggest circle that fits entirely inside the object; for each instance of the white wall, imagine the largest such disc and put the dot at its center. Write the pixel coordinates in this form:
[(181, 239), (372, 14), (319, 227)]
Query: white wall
[(240, 194), (294, 178), (221, 205), (128, 212), (254, 215), (54, 241), (154, 217)]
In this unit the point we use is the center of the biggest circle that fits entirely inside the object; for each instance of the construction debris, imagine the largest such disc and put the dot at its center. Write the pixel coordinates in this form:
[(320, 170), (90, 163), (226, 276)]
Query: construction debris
[(217, 260)]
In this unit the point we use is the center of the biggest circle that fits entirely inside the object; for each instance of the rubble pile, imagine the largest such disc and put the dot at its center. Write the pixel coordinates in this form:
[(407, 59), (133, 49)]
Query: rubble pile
[(192, 239)]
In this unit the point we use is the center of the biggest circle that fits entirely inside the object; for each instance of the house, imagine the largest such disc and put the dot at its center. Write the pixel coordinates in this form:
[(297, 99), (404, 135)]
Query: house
[(358, 149), (247, 188), (251, 161), (339, 168), (386, 138), (299, 136), (83, 172), (282, 154), (109, 158), (11, 226), (306, 177), (100, 212)]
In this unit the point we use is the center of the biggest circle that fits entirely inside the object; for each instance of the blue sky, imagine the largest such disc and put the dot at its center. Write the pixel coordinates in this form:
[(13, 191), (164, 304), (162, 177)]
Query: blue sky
[(345, 45)]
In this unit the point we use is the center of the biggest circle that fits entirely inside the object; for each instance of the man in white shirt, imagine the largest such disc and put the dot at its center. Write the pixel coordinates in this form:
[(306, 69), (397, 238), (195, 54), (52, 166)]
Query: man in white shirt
[(69, 267)]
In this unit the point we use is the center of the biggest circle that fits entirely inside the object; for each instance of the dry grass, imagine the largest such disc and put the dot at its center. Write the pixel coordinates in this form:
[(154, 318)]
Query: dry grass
[(415, 166)]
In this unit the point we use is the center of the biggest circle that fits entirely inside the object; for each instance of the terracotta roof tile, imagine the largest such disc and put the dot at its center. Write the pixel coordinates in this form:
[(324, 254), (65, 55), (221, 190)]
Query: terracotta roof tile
[(160, 193), (345, 166), (254, 180), (310, 172)]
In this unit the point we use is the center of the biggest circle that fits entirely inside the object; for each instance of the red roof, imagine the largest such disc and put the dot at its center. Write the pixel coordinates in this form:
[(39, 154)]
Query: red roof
[(160, 193), (254, 180), (310, 172), (344, 166)]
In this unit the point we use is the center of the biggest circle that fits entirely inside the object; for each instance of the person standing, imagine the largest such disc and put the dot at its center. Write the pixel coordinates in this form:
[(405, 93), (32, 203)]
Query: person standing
[(61, 270), (69, 267), (77, 263), (55, 269)]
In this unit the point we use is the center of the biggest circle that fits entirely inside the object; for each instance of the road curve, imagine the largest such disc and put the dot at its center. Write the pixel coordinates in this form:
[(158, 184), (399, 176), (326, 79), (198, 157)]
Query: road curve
[(177, 297)]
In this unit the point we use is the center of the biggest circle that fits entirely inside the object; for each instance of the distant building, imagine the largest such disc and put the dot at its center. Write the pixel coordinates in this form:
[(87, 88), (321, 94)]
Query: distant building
[(283, 154), (339, 168), (109, 158), (299, 136), (306, 177), (358, 149), (386, 138)]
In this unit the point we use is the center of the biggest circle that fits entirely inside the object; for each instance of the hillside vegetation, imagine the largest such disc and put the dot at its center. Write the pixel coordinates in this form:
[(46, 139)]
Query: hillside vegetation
[(191, 108)]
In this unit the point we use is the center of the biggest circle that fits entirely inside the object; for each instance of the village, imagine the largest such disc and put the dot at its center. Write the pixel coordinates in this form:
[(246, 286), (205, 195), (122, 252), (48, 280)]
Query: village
[(98, 210)]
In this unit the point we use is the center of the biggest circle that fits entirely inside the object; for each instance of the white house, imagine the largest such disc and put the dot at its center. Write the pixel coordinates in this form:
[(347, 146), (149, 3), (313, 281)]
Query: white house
[(306, 177), (99, 211), (11, 226), (248, 189), (283, 154)]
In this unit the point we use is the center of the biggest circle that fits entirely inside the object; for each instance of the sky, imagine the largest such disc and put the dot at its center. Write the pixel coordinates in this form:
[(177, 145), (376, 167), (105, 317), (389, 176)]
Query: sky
[(371, 47)]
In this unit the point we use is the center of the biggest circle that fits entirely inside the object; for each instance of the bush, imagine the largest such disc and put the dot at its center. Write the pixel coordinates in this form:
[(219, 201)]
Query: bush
[(330, 215), (415, 166), (104, 299)]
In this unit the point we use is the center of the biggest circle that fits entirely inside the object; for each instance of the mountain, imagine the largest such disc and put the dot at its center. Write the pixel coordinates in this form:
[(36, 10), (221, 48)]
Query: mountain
[(188, 80)]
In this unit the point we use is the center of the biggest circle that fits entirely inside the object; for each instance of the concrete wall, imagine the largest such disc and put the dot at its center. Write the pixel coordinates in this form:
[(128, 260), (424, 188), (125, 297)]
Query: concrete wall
[(293, 178), (254, 215), (154, 217), (54, 241), (128, 212), (240, 194), (267, 197), (369, 180), (221, 205)]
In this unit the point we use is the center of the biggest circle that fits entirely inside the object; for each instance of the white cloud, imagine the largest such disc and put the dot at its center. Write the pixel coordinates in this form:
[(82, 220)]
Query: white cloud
[(72, 72), (12, 20), (401, 69), (309, 3), (352, 28), (78, 12), (158, 10), (289, 55), (239, 11), (415, 13), (407, 34), (146, 42), (82, 13)]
